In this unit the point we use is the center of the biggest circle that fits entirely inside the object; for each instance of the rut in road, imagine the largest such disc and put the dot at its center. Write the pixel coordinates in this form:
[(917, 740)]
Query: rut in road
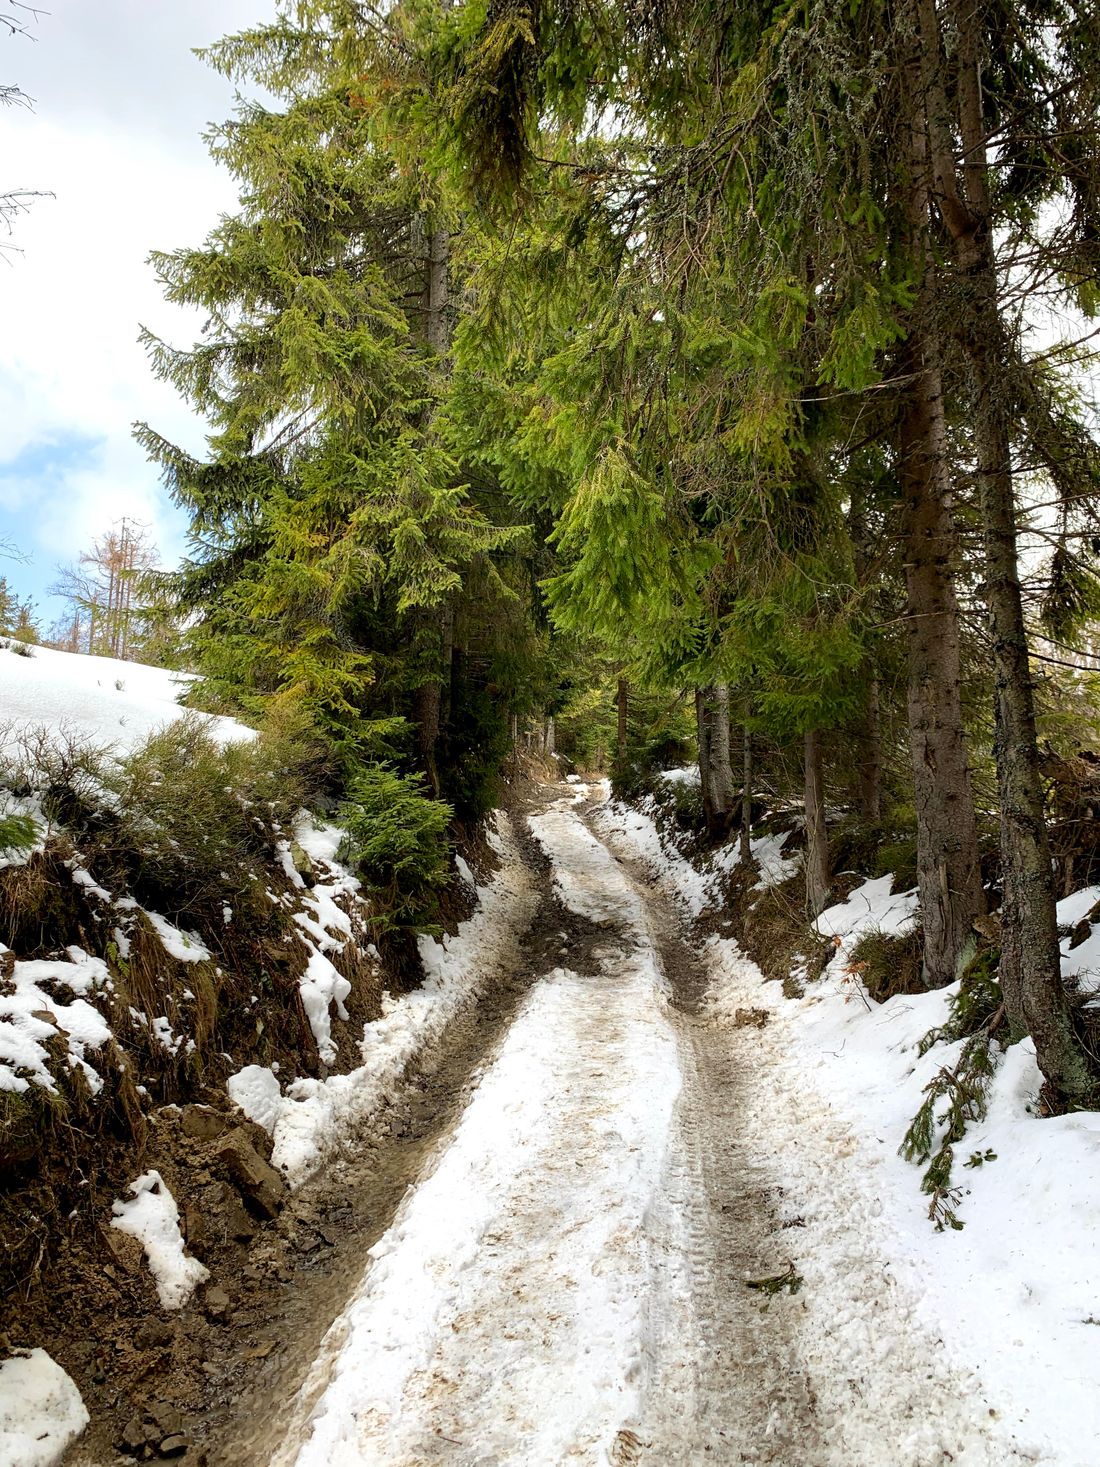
[(566, 1282)]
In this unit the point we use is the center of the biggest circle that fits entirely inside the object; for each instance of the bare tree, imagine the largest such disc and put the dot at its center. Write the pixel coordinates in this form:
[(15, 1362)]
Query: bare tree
[(16, 19), (103, 590)]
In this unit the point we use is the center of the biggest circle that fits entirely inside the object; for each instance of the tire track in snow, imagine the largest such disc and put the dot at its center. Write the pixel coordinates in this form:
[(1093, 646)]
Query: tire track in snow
[(504, 1316)]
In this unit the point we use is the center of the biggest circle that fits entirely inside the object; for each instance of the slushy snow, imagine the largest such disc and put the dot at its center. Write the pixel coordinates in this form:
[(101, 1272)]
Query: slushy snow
[(1015, 1295)]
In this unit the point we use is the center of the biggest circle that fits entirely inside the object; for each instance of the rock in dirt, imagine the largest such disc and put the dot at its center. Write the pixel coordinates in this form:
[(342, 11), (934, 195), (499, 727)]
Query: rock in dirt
[(215, 1303), (153, 1333), (203, 1123), (257, 1180)]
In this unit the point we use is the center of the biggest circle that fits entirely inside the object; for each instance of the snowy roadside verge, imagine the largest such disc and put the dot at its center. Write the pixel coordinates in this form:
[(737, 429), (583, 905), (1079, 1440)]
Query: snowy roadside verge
[(312, 1119), (836, 1079)]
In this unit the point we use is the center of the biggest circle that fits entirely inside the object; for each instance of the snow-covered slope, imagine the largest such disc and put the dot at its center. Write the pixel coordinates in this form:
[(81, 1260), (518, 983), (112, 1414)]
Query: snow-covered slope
[(111, 703)]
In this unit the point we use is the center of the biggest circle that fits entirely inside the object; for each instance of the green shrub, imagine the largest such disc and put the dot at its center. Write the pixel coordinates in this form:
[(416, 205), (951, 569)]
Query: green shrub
[(898, 858), (67, 769), (888, 964), (397, 838), (194, 821)]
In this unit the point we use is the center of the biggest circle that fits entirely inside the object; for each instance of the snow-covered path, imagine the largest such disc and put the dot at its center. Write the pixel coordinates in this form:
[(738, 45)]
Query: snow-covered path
[(566, 1281)]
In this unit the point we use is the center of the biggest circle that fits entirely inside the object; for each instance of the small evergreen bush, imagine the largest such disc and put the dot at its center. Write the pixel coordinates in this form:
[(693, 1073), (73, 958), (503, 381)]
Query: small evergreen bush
[(196, 820), (397, 838), (17, 834)]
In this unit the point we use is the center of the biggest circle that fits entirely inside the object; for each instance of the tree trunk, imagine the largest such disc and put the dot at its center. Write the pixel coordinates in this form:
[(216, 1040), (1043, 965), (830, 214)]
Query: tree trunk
[(870, 767), (623, 698), (429, 699), (948, 871), (436, 331), (817, 841), (745, 839), (1030, 970), (426, 716), (721, 761), (715, 772), (702, 734)]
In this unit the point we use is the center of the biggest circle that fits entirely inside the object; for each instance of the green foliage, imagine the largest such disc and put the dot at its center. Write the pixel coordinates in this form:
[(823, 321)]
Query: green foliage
[(955, 1098), (397, 839), (888, 963), (17, 834), (976, 1004), (335, 531), (195, 821)]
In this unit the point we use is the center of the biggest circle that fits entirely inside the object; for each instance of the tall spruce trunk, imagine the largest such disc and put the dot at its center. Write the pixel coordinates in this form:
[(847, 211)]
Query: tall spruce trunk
[(745, 839), (817, 842), (623, 702), (1030, 971), (948, 871), (712, 723), (431, 700), (870, 766)]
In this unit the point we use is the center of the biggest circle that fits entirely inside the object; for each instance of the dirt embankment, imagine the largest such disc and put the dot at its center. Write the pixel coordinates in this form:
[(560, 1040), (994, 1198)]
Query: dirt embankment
[(165, 1383)]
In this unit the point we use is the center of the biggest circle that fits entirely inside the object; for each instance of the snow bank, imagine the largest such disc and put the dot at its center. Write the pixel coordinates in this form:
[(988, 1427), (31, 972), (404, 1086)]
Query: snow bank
[(637, 828), (31, 1014), (312, 1118), (185, 947), (41, 1411), (109, 702), (1015, 1295), (151, 1216)]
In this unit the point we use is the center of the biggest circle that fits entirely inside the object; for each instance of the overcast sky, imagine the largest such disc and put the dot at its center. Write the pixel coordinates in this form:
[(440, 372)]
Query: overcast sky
[(120, 104)]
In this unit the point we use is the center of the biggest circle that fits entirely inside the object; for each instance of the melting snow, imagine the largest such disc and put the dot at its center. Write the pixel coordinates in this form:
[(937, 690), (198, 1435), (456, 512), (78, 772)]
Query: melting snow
[(31, 1015), (41, 1411), (151, 1216)]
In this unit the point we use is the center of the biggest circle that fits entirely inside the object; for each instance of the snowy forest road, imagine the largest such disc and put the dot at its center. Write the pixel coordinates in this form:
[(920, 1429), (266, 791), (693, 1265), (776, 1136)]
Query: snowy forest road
[(563, 1264), (566, 1283)]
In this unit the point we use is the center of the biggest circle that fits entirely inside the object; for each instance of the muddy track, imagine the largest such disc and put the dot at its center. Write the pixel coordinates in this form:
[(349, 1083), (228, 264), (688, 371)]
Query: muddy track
[(749, 1397), (739, 1395), (301, 1272)]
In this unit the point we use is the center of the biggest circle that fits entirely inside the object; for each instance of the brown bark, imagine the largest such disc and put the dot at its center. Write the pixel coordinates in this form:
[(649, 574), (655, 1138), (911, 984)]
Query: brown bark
[(721, 764), (948, 872), (745, 842), (817, 842), (715, 773), (623, 698), (426, 718), (430, 701), (870, 765)]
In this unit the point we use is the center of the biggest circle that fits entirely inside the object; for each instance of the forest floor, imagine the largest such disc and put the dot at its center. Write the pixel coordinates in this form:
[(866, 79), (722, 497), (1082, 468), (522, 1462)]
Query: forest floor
[(576, 1243)]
